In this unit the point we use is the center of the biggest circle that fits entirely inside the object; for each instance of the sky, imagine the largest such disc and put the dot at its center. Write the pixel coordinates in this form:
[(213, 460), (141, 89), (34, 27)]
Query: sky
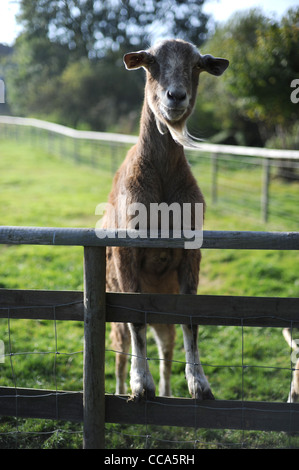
[(221, 10)]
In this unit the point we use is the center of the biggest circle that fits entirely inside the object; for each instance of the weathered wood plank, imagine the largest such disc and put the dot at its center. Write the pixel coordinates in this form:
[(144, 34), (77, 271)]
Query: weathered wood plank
[(43, 404), (218, 414), (156, 308), (94, 347), (203, 309), (211, 414), (88, 237), (40, 304)]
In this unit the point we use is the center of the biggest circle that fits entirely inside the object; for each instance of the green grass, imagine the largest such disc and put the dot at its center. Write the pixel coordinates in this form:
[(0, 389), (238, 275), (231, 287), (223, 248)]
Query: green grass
[(38, 188)]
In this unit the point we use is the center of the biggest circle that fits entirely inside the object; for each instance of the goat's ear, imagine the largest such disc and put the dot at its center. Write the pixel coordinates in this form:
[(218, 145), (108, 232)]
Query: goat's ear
[(135, 60), (214, 65)]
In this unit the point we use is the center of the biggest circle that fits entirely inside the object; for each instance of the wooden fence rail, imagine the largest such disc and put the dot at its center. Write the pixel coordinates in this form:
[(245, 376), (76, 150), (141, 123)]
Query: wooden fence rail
[(162, 411), (158, 308), (95, 308), (240, 240)]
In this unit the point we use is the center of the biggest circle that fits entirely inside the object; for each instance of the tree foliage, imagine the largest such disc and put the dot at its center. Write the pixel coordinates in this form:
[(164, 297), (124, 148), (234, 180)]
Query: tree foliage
[(67, 66), (93, 27), (255, 91)]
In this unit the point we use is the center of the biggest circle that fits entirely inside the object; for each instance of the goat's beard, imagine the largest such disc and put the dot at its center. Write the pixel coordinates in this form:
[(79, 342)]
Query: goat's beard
[(182, 136), (179, 133), (177, 129)]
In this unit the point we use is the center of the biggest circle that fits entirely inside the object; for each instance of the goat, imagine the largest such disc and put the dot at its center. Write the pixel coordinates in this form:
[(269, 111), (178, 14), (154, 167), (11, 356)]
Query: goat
[(294, 391), (155, 170)]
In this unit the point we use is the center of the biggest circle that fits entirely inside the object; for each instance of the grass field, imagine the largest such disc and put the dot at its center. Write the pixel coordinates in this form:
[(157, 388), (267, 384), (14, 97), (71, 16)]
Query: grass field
[(40, 189)]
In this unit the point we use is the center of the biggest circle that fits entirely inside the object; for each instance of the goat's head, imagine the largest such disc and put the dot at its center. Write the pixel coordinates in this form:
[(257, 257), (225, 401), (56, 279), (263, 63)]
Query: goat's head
[(173, 68)]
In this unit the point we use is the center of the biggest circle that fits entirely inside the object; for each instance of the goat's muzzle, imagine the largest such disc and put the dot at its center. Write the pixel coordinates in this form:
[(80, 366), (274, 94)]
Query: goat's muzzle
[(174, 104)]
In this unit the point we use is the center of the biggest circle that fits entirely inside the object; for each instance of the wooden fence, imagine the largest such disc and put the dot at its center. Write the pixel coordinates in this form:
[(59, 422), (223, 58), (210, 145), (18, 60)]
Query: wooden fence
[(267, 157), (94, 307)]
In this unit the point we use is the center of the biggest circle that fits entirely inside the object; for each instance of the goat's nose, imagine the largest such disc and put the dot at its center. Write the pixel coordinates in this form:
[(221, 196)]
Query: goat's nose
[(176, 95)]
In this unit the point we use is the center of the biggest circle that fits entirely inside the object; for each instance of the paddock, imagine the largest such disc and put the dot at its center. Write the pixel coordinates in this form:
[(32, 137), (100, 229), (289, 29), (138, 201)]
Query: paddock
[(95, 307), (88, 147)]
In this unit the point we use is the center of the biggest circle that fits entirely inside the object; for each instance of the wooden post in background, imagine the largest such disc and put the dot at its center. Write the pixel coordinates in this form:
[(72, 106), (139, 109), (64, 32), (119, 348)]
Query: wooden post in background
[(214, 159), (265, 190), (94, 347)]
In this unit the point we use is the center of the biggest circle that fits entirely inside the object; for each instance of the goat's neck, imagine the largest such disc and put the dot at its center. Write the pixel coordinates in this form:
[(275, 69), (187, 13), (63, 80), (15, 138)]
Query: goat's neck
[(153, 147)]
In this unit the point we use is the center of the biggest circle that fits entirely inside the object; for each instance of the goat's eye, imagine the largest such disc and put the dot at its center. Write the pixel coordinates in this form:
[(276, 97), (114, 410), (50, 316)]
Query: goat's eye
[(197, 66)]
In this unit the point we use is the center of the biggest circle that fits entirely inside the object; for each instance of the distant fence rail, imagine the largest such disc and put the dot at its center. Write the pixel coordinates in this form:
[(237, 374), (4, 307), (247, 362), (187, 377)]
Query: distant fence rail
[(67, 131), (95, 307), (219, 156), (130, 139)]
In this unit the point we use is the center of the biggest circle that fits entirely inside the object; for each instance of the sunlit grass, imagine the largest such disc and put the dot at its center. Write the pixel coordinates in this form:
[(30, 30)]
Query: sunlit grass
[(40, 189)]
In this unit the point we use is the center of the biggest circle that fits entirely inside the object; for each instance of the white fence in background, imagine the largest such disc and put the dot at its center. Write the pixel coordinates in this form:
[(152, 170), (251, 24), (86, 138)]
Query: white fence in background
[(130, 139), (264, 157)]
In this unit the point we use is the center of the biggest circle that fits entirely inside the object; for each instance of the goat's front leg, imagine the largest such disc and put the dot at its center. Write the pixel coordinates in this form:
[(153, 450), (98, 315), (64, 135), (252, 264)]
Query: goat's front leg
[(165, 336), (198, 384), (294, 392), (121, 342), (141, 381), (127, 267)]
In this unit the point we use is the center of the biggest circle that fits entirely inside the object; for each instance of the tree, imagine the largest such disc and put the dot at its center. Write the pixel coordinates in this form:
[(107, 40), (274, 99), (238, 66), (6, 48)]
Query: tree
[(266, 72), (91, 28), (255, 91), (67, 63), (92, 93), (73, 92), (32, 76)]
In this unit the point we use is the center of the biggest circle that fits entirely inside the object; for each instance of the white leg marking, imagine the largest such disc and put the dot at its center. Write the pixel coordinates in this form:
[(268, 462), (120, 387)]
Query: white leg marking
[(164, 336), (141, 381), (198, 384)]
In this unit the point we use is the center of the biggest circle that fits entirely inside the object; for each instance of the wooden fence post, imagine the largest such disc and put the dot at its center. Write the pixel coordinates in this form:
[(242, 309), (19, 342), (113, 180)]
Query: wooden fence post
[(94, 347), (214, 159), (265, 190)]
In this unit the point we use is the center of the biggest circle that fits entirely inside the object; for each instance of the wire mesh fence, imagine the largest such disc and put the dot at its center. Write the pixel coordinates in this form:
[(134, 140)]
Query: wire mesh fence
[(197, 416), (236, 419)]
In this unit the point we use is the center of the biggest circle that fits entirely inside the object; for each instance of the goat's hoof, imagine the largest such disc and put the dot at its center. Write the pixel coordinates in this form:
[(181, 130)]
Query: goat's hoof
[(138, 397), (202, 394), (293, 398), (208, 395), (142, 388), (133, 399)]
